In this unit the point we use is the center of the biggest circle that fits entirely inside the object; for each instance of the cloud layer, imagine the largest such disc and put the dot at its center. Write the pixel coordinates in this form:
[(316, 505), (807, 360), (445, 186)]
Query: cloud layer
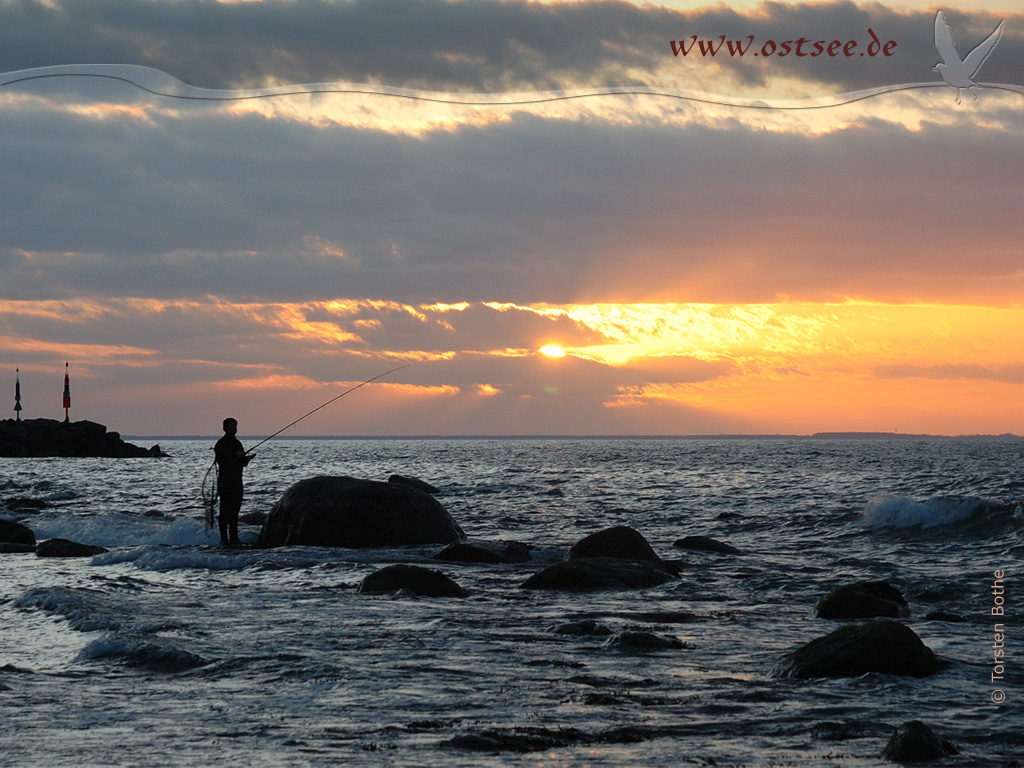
[(478, 45), (707, 269)]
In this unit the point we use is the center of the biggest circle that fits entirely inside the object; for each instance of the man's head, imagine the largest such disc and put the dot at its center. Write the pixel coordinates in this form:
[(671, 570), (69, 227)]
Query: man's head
[(230, 426)]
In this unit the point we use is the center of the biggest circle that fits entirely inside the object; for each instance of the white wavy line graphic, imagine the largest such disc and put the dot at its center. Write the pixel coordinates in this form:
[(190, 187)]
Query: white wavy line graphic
[(160, 83)]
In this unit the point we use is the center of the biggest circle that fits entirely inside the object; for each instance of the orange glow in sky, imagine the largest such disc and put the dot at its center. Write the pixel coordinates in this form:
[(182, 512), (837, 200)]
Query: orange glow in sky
[(667, 368)]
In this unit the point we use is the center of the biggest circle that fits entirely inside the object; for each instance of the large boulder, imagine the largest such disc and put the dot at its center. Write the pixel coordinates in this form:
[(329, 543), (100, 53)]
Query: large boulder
[(615, 558), (348, 512), (15, 537), (414, 578), (863, 600), (620, 542), (886, 647)]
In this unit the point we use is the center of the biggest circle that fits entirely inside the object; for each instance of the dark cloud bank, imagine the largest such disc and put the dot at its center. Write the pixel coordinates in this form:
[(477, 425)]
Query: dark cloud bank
[(530, 210), (477, 45)]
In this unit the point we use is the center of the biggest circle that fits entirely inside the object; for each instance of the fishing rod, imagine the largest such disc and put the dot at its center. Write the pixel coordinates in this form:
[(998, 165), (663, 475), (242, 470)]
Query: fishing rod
[(209, 484), (320, 407)]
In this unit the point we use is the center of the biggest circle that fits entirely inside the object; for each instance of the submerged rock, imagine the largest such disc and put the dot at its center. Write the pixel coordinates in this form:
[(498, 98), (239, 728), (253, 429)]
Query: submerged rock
[(538, 739), (706, 544), (598, 573), (348, 512), (418, 580), (24, 504), (415, 482), (954, 618), (66, 548), (915, 742), (584, 628), (485, 552), (886, 647), (34, 438), (862, 600), (633, 639)]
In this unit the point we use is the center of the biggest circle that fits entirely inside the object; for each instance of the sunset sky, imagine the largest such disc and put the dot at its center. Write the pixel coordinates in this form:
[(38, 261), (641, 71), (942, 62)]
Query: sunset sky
[(686, 267)]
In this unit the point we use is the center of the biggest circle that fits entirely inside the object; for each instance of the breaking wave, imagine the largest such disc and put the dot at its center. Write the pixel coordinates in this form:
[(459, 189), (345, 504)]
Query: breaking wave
[(904, 512)]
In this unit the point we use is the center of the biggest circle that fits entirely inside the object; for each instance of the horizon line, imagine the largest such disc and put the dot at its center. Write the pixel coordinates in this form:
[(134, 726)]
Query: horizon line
[(710, 436)]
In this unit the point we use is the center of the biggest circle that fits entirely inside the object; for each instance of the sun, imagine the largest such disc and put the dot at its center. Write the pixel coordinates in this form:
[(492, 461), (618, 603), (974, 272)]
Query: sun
[(552, 350)]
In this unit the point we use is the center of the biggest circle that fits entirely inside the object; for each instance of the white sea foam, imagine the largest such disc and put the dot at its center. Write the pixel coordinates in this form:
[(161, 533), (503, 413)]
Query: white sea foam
[(119, 530), (162, 558)]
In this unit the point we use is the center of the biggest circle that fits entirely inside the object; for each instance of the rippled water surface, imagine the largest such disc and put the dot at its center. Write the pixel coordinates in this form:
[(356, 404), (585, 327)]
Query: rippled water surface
[(167, 651)]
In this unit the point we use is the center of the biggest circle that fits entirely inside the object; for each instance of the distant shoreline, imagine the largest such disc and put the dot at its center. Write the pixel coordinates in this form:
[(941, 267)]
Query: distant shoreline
[(815, 436)]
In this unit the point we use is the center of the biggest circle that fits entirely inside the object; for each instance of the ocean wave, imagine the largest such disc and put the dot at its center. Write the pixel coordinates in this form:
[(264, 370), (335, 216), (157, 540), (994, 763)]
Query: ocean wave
[(145, 653), (163, 558), (85, 610), (115, 529), (905, 512)]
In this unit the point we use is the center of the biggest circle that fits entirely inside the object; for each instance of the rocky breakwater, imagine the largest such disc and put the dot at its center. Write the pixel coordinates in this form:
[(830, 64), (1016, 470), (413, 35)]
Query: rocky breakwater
[(354, 513), (38, 438)]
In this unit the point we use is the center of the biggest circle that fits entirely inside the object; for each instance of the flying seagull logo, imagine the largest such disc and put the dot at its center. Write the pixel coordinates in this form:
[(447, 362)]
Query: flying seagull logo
[(960, 73)]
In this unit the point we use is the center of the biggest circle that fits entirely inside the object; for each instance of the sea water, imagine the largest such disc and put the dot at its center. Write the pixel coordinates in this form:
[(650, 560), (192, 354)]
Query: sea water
[(167, 651)]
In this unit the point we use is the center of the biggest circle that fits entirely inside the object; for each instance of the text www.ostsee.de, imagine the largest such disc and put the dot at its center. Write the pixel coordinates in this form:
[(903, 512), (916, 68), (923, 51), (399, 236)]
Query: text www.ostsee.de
[(800, 47)]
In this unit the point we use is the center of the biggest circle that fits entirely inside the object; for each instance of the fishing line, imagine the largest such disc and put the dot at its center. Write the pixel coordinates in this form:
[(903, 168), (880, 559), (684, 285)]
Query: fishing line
[(319, 407), (209, 488)]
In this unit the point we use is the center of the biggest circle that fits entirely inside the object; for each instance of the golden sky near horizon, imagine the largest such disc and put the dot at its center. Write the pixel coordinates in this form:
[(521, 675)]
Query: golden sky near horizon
[(600, 265)]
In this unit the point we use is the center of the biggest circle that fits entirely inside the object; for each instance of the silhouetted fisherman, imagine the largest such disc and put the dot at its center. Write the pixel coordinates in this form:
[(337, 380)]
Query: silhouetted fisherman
[(231, 458)]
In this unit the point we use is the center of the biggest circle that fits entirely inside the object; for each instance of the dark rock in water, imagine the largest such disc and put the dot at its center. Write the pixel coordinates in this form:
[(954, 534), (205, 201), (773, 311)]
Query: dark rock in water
[(656, 617), (485, 552), (472, 742), (24, 504), (615, 558), (844, 731), (886, 647), (18, 534), (35, 438), (65, 548), (915, 742), (620, 542), (537, 739), (584, 628), (420, 581), (347, 512), (953, 618), (598, 573), (706, 544), (9, 548), (631, 639), (862, 600), (415, 482)]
